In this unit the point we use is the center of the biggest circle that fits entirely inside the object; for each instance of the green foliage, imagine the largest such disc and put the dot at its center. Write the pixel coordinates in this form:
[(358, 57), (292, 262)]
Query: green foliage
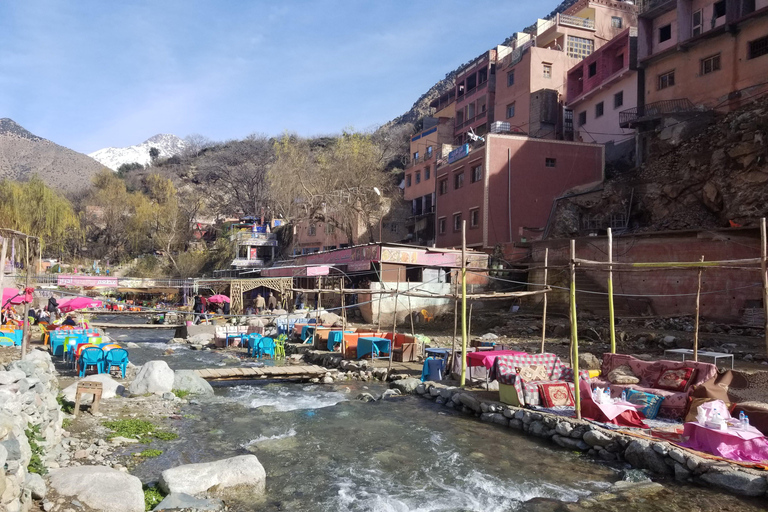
[(181, 393), (165, 436), (36, 461), (149, 453), (66, 407), (66, 423), (152, 497), (125, 169), (142, 430)]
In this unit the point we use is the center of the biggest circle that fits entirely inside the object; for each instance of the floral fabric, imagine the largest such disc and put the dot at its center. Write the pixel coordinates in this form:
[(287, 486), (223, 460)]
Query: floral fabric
[(675, 380), (555, 394)]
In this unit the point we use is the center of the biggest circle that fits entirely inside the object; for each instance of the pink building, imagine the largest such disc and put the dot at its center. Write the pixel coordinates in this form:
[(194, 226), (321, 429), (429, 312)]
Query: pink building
[(504, 187), (598, 89), (474, 93)]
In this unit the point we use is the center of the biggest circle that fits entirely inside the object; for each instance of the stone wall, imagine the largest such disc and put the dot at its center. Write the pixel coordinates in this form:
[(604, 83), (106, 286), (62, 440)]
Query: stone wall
[(28, 391)]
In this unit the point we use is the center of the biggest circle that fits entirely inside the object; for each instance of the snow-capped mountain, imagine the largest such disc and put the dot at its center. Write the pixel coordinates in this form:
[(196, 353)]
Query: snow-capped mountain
[(167, 144)]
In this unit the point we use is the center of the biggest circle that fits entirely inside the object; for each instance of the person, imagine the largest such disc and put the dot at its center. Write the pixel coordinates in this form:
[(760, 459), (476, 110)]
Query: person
[(53, 308), (272, 302), (225, 308), (260, 303), (69, 321), (300, 300), (197, 308)]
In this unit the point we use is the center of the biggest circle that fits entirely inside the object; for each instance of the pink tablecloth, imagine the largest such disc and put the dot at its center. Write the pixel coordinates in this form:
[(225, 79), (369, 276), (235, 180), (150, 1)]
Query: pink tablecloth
[(734, 444), (487, 357)]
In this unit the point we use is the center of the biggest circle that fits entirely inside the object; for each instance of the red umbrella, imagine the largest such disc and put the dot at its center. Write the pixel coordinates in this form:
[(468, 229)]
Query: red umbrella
[(79, 303), (218, 298), (17, 297)]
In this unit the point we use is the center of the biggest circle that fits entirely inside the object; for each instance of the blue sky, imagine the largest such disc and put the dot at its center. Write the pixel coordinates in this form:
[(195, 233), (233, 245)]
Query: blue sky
[(88, 74)]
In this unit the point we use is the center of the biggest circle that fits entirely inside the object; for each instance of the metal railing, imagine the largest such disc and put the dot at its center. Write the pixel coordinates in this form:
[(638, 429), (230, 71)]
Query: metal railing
[(249, 236), (643, 6), (657, 108), (576, 21), (518, 53)]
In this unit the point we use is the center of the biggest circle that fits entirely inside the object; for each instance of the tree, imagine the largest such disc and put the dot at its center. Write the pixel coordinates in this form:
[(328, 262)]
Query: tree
[(126, 169), (154, 154), (194, 145)]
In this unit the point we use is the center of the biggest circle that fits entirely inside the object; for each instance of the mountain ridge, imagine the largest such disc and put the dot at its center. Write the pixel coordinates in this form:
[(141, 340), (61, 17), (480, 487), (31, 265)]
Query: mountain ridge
[(167, 144)]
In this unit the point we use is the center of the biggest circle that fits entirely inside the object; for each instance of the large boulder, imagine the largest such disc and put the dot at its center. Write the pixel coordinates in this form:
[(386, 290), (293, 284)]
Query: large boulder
[(154, 377), (204, 338), (110, 388), (100, 488), (406, 386), (588, 361), (189, 380), (330, 319), (244, 473)]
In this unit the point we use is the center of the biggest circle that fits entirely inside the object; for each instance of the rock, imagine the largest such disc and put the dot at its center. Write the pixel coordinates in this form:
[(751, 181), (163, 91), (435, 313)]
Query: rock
[(489, 336), (681, 472), (668, 341), (204, 338), (588, 361), (244, 472), (737, 482), (11, 376), (154, 377), (100, 488), (711, 197), (178, 500), (641, 455), (564, 428), (365, 397), (36, 485), (406, 386), (596, 438), (110, 388), (330, 319), (570, 443), (469, 401), (390, 393), (188, 380)]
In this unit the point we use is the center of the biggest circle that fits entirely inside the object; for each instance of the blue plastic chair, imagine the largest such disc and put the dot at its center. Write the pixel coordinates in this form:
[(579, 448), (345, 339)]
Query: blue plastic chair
[(432, 369), (252, 339), (6, 342), (57, 344), (91, 356), (263, 347), (116, 357)]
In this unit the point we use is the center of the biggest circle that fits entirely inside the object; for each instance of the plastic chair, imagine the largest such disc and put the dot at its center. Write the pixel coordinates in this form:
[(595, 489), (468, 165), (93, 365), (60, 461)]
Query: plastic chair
[(116, 357), (280, 346), (6, 342), (68, 341), (433, 369), (265, 346), (251, 340), (427, 316), (44, 333), (57, 342), (91, 356)]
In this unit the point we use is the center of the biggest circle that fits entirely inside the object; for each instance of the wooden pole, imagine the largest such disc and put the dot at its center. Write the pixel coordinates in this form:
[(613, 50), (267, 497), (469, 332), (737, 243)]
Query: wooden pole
[(2, 267), (455, 327), (381, 287), (463, 303), (25, 319), (410, 313), (611, 312), (574, 334), (394, 324), (544, 314), (469, 324), (343, 313), (696, 324), (764, 271)]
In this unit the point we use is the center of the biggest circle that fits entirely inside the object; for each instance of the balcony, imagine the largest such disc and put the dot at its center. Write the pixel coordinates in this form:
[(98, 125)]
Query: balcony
[(654, 111), (471, 91), (245, 262), (576, 21), (251, 238), (471, 120), (654, 8)]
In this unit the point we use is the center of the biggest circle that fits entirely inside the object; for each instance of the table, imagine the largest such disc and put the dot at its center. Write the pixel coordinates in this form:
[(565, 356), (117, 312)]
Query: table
[(746, 445), (372, 345), (487, 358), (687, 351)]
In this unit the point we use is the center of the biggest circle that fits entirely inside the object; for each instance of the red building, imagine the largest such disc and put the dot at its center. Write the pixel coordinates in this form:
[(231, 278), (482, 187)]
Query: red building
[(504, 188)]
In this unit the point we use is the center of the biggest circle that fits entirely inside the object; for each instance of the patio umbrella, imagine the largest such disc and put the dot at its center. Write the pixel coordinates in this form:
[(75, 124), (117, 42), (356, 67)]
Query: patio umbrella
[(218, 298), (79, 303), (16, 296)]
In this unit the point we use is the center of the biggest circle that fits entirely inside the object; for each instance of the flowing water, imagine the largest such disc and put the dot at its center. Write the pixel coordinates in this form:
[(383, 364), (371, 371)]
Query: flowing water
[(325, 451)]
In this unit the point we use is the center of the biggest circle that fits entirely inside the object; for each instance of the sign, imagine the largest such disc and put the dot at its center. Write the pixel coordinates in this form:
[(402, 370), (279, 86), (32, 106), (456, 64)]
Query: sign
[(458, 153), (95, 281)]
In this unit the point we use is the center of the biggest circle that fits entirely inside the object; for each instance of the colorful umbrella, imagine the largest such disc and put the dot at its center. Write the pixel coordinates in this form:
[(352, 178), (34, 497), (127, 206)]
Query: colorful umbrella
[(17, 297), (79, 303), (218, 298)]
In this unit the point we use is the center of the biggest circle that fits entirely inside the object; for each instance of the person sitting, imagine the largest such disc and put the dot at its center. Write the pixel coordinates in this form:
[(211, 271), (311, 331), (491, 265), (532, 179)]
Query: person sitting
[(69, 321)]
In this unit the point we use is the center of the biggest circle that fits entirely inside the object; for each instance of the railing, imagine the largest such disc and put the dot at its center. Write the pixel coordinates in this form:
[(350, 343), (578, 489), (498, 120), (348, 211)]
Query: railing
[(471, 120), (249, 236), (657, 108), (644, 6), (518, 53), (576, 21), (471, 91), (123, 282)]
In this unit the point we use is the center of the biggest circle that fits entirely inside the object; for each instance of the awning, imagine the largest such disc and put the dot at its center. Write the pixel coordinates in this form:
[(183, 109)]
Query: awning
[(296, 271)]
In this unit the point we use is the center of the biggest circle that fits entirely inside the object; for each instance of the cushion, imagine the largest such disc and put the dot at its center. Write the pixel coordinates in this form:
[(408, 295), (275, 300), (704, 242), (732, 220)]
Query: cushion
[(533, 373), (651, 403), (623, 375), (675, 380), (555, 394)]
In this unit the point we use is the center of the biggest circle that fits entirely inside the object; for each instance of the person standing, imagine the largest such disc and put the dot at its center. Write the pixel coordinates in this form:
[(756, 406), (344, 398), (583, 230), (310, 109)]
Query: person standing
[(272, 302), (197, 308), (53, 308), (225, 308), (260, 304)]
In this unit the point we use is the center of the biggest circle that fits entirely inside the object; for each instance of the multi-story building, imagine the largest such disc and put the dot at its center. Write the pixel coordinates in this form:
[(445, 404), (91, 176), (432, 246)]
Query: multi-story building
[(504, 187), (256, 244), (711, 53), (474, 93), (598, 89)]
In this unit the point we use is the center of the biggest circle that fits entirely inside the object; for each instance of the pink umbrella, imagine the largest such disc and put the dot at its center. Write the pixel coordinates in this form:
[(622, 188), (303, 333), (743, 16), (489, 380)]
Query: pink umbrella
[(12, 295), (79, 303), (218, 298)]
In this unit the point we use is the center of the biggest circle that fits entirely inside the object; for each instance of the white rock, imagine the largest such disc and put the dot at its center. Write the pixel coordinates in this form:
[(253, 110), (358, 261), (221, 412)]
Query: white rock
[(195, 479), (100, 488), (110, 388), (188, 380), (11, 376), (154, 377)]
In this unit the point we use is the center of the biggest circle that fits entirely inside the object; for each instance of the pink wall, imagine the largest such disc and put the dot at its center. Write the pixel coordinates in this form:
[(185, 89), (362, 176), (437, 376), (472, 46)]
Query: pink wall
[(468, 197), (606, 128)]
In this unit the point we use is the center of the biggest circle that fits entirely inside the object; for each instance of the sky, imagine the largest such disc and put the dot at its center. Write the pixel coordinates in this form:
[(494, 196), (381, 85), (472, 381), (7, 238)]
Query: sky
[(89, 74)]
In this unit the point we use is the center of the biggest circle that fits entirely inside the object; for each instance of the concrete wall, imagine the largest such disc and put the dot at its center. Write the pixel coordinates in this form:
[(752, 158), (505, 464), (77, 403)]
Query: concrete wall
[(606, 128)]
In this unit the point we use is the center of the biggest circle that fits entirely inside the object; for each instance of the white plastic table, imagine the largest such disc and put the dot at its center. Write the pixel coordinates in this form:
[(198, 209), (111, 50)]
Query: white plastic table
[(689, 351)]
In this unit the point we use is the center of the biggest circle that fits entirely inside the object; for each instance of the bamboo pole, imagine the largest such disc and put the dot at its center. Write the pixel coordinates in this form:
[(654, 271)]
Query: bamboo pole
[(696, 324), (669, 264), (469, 325), (463, 303), (763, 264), (25, 319), (394, 325), (544, 314), (611, 311), (455, 327), (574, 334), (2, 267), (381, 285), (410, 313)]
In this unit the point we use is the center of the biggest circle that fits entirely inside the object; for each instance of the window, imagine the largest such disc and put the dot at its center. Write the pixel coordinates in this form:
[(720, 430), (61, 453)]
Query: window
[(592, 69), (416, 156), (426, 173), (579, 47), (615, 22), (665, 33), (718, 10), (429, 152), (618, 99), (329, 247), (666, 80), (458, 180), (510, 78), (393, 227), (550, 162), (696, 24), (477, 173), (312, 230), (407, 180), (443, 187), (474, 218), (329, 229), (441, 225), (599, 110), (457, 222), (758, 48), (510, 110), (547, 70), (582, 118), (710, 64), (418, 176)]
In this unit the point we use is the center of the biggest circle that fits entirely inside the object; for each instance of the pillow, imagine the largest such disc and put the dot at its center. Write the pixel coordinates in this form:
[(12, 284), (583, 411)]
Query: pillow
[(675, 380), (555, 394), (533, 373), (651, 403), (623, 375)]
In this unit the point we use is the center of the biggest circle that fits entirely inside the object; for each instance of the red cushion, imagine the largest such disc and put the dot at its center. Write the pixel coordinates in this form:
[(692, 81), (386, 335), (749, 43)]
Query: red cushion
[(675, 380), (555, 394)]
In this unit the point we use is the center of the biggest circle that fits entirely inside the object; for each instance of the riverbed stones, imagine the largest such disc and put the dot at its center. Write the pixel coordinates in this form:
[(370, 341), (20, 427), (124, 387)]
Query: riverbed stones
[(188, 380), (596, 438), (563, 428), (406, 386), (110, 388), (640, 454), (570, 443), (737, 482), (154, 377), (36, 485), (178, 500), (99, 487), (11, 376), (243, 474)]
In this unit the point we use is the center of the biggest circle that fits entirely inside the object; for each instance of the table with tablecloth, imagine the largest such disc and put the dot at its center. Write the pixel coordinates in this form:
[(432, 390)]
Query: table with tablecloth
[(741, 444), (372, 345), (487, 358)]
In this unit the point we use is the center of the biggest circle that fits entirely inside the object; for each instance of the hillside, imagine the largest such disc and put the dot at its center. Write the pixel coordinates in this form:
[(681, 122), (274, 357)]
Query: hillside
[(23, 154), (168, 145)]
